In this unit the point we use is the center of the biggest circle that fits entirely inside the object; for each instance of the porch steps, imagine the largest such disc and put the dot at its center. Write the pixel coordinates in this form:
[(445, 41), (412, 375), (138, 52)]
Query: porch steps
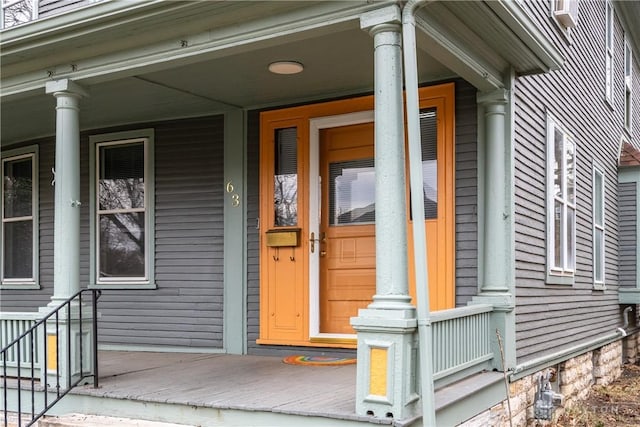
[(80, 420), (462, 400)]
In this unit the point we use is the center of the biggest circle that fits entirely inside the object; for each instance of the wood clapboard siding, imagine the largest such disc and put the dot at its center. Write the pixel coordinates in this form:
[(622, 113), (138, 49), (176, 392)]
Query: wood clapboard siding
[(628, 236), (54, 7), (30, 300), (550, 317), (186, 310), (466, 159)]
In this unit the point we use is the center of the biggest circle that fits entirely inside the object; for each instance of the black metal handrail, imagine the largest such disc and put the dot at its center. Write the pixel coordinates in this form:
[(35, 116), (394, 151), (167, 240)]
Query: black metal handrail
[(28, 340)]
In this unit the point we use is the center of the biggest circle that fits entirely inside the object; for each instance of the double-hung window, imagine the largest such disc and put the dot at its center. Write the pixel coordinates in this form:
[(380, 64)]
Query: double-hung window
[(561, 204), (122, 202), (609, 52), (19, 232), (628, 73), (598, 228)]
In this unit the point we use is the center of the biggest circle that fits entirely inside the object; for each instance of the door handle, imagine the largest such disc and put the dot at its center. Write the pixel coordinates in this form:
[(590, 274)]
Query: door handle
[(312, 242), (323, 253)]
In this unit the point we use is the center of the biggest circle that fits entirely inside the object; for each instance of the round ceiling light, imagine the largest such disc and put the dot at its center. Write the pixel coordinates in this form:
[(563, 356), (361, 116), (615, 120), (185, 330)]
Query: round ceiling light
[(286, 67)]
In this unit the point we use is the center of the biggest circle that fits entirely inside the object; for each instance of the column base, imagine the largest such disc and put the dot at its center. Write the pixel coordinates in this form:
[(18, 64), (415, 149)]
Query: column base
[(386, 384), (66, 349)]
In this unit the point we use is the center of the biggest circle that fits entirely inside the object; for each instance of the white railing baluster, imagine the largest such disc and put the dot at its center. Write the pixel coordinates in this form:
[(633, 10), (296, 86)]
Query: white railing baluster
[(12, 326)]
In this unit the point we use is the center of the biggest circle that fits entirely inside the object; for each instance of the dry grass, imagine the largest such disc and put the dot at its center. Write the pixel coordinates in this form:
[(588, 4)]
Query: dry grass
[(617, 404)]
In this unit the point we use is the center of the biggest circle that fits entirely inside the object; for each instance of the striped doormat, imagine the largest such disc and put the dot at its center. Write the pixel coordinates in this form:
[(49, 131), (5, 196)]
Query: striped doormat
[(318, 360)]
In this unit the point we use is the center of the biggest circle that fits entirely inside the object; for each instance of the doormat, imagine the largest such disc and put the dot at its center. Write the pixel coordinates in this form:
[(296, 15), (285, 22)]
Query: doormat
[(318, 360)]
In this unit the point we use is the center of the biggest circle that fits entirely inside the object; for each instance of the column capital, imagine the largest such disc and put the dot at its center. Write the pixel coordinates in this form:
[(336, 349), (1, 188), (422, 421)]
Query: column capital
[(388, 17), (65, 86), (498, 96)]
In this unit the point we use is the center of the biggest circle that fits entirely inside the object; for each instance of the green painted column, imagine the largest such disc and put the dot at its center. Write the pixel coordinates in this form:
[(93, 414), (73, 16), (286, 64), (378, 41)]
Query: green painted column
[(496, 281), (386, 385), (496, 213), (66, 235), (67, 332), (392, 284)]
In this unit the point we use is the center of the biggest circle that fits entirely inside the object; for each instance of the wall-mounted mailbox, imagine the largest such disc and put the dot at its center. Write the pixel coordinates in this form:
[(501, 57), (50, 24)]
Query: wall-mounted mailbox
[(283, 238)]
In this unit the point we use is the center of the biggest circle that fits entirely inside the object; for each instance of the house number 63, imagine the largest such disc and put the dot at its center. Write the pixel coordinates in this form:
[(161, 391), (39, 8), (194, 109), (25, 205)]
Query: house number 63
[(235, 197)]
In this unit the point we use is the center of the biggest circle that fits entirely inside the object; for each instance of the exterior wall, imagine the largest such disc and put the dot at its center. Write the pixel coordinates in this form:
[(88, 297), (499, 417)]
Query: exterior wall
[(466, 193), (466, 215), (53, 7), (186, 308), (573, 379), (628, 234), (550, 317)]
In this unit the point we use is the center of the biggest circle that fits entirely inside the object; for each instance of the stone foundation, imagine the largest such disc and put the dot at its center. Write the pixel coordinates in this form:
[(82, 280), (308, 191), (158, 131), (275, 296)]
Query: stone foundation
[(631, 348), (573, 380)]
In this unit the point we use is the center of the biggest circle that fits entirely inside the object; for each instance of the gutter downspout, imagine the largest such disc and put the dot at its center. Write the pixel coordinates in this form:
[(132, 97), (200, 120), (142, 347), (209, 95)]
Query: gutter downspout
[(417, 209)]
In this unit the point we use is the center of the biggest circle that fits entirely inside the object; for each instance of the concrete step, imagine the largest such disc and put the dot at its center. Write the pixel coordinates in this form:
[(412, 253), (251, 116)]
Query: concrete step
[(12, 420), (81, 420)]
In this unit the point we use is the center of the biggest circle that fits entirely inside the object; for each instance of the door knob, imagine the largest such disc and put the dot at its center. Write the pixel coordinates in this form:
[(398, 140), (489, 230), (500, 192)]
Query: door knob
[(323, 253)]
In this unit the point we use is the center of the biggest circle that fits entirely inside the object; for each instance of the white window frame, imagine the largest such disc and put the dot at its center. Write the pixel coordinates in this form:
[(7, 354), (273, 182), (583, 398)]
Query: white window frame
[(564, 273), (146, 136), (10, 156), (599, 282), (628, 85), (609, 44)]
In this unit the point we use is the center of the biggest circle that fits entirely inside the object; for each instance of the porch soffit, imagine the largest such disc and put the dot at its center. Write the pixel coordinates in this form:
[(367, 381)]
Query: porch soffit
[(482, 40), (630, 16), (161, 35)]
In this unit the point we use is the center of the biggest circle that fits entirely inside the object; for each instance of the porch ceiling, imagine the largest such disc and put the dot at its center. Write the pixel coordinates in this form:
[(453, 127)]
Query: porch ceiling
[(211, 56)]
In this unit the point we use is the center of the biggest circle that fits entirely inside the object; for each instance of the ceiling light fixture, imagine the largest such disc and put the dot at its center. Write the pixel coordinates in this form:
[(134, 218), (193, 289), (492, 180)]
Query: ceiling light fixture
[(286, 67)]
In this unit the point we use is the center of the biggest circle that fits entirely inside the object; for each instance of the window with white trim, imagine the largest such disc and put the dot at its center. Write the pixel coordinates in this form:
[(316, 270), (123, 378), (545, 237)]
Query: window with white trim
[(122, 229), (561, 204), (628, 73), (19, 232), (598, 228), (609, 53)]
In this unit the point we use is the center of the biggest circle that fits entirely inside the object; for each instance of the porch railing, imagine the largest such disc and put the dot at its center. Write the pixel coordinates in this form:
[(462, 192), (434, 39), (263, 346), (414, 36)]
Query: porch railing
[(461, 342), (13, 325), (38, 351)]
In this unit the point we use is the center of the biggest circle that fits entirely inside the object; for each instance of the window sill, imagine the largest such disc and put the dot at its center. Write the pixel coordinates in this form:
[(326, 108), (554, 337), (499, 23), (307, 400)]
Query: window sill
[(124, 286), (599, 287), (557, 279), (22, 286)]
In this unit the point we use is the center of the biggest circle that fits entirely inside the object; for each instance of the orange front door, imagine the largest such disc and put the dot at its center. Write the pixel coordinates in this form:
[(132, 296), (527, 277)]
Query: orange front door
[(317, 183), (347, 226)]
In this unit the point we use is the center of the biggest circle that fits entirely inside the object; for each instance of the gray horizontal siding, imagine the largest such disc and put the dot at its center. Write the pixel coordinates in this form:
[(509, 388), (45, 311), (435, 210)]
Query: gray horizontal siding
[(549, 317), (186, 310), (628, 234), (188, 244), (466, 161)]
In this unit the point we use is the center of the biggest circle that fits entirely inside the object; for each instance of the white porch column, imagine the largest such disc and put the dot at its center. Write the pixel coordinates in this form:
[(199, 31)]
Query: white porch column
[(386, 380), (64, 331), (497, 254)]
